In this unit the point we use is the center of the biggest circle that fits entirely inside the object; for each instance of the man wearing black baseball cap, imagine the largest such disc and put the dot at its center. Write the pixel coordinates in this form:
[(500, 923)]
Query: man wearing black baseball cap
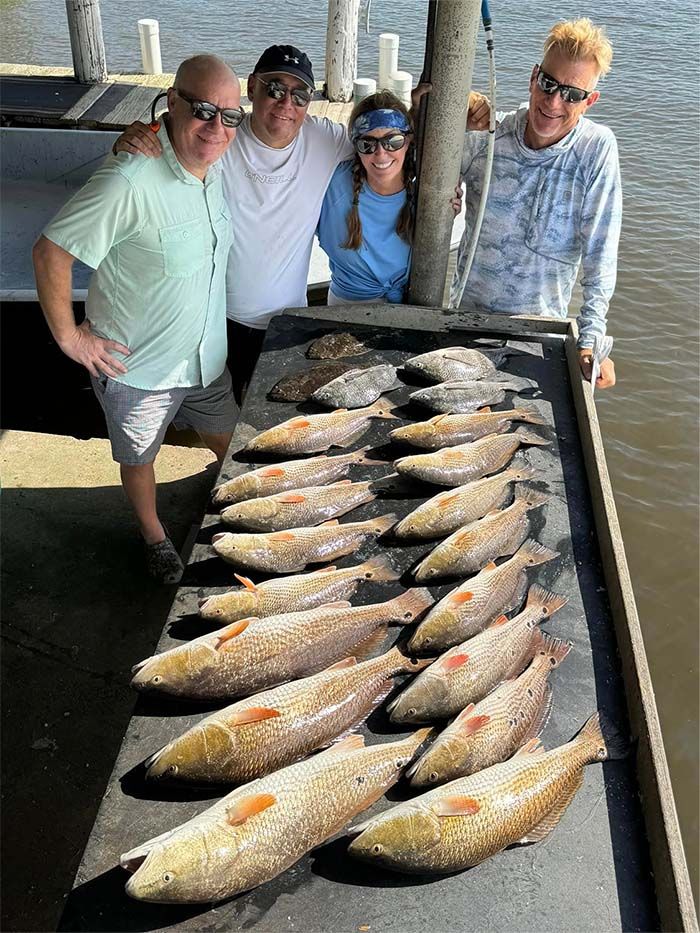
[(275, 175)]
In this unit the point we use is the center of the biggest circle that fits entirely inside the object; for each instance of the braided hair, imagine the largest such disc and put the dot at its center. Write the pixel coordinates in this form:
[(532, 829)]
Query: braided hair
[(404, 225)]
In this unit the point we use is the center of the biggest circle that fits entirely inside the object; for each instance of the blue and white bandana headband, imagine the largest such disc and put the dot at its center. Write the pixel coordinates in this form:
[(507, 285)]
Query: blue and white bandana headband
[(376, 119)]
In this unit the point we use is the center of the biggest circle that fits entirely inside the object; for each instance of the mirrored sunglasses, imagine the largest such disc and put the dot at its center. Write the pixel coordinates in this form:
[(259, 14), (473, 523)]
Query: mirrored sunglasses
[(366, 145), (203, 110), (278, 90), (548, 84)]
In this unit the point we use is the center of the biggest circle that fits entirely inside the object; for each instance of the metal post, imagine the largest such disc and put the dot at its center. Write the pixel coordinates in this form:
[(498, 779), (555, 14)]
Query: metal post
[(86, 41), (456, 27), (341, 48)]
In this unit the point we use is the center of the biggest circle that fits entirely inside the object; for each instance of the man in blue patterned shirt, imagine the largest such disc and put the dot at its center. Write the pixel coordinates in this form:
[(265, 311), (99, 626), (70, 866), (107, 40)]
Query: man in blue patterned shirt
[(555, 201)]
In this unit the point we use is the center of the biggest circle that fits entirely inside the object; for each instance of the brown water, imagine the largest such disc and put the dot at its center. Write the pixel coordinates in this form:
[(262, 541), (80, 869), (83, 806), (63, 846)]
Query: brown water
[(650, 420)]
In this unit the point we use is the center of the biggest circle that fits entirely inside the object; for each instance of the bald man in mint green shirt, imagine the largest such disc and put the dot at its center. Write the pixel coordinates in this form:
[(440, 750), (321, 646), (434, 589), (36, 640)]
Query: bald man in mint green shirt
[(157, 233)]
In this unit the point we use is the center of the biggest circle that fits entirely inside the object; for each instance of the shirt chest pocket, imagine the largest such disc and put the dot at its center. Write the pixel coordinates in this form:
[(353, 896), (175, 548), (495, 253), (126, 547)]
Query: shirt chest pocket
[(184, 249), (554, 228)]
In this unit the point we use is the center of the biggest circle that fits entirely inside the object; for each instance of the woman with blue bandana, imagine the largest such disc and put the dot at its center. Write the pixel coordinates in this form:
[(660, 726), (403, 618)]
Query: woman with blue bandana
[(367, 215)]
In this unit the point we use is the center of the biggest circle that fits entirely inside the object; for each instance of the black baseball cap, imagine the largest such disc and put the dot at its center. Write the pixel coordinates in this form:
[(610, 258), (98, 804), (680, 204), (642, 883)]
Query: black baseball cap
[(288, 60)]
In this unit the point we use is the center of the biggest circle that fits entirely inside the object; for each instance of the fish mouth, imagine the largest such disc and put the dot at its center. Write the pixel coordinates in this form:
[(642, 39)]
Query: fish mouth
[(132, 862)]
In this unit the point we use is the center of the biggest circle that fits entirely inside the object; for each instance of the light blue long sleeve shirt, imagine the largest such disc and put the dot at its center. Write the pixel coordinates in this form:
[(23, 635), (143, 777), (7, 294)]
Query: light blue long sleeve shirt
[(549, 211), (379, 268)]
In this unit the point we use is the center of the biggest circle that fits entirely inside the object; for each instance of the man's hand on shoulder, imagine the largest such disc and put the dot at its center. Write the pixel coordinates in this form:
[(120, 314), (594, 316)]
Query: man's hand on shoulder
[(606, 377), (138, 138), (478, 112), (92, 351)]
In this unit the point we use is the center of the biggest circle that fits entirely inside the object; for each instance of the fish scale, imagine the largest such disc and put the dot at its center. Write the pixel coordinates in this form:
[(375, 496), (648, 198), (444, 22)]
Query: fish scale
[(289, 551), (447, 511), (292, 474), (466, 610), (448, 430), (497, 534), (298, 507), (245, 839), (276, 727), (496, 727), (293, 594), (254, 654), (469, 671), (453, 466), (472, 818)]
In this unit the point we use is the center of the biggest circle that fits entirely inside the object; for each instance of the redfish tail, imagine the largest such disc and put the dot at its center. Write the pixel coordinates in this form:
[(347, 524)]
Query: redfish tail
[(382, 408), (412, 604), (544, 600), (379, 570), (536, 553), (607, 742)]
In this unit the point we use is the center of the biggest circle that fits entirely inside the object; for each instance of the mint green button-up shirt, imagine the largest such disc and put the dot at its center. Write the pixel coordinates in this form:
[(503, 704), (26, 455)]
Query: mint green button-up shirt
[(158, 239)]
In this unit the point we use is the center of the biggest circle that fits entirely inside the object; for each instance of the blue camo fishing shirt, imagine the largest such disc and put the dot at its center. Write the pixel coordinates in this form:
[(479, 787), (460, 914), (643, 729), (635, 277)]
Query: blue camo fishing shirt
[(549, 211)]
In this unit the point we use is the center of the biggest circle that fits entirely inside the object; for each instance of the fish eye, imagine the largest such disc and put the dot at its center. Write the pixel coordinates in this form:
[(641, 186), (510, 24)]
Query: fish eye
[(377, 849), (413, 527), (433, 776), (412, 711), (400, 762), (408, 615), (601, 754), (156, 679), (168, 877), (413, 661), (427, 641), (172, 769)]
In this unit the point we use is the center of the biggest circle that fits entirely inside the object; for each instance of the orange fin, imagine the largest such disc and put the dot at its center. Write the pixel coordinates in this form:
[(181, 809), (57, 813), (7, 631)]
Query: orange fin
[(490, 566), (485, 410), (247, 582), (299, 423), (501, 620), (329, 569), (339, 665), (531, 747), (458, 598), (348, 744), (290, 497), (463, 535), (252, 714), (271, 471), (453, 455), (466, 713), (472, 724), (452, 663), (342, 482), (282, 536), (337, 604), (443, 503), (338, 411), (242, 810), (331, 521), (456, 805), (231, 632)]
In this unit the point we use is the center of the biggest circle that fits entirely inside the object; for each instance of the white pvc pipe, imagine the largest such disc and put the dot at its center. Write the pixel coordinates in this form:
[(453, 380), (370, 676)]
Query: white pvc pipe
[(388, 58), (150, 46), (363, 87), (401, 82)]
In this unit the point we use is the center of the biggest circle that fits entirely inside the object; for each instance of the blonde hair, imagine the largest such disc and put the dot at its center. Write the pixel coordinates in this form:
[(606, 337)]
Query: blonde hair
[(580, 40)]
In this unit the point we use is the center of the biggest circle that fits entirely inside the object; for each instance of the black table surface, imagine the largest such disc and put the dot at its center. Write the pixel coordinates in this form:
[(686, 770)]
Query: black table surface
[(591, 873)]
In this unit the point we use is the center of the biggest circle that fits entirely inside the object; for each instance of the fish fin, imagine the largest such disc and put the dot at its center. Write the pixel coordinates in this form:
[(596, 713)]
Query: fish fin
[(341, 665), (371, 644), (468, 725), (533, 498), (242, 810), (453, 455), (328, 569), (252, 714), (527, 414), (271, 471), (491, 565), (529, 437), (336, 604), (536, 553), (231, 631), (544, 600), (541, 716), (379, 570), (412, 604), (451, 663), (437, 418), (382, 408), (346, 743), (282, 536), (545, 826), (338, 411), (456, 599), (456, 805), (531, 747), (466, 712), (296, 423), (601, 731), (247, 582), (342, 482), (501, 620), (290, 497), (444, 501), (554, 649), (331, 521), (383, 523), (486, 410)]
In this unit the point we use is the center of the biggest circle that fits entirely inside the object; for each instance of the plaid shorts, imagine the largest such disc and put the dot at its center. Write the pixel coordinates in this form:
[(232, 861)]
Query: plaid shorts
[(137, 419)]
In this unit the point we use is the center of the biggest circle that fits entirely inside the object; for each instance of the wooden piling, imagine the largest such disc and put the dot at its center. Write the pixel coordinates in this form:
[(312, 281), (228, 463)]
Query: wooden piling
[(86, 41), (341, 48)]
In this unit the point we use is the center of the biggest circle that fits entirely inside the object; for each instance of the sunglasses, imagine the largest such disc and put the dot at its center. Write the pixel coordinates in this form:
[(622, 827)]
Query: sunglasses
[(203, 110), (366, 145), (278, 90), (548, 84)]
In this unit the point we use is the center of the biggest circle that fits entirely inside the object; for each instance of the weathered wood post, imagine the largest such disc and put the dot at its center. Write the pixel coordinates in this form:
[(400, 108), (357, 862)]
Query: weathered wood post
[(456, 27), (341, 48), (86, 41)]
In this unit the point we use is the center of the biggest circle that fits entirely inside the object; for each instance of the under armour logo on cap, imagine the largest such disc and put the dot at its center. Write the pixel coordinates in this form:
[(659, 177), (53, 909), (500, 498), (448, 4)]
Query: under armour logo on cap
[(286, 59)]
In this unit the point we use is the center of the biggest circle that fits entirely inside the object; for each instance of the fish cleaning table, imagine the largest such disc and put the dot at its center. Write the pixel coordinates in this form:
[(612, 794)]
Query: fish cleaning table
[(592, 873)]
